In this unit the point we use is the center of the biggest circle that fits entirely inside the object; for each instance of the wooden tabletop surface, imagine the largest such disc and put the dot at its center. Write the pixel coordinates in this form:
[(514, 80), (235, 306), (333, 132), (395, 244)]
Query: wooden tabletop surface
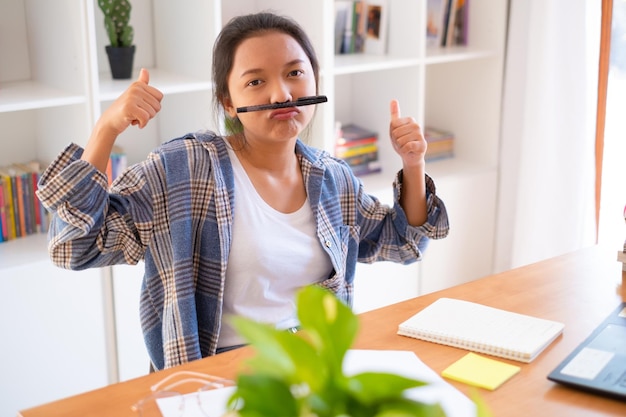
[(579, 289)]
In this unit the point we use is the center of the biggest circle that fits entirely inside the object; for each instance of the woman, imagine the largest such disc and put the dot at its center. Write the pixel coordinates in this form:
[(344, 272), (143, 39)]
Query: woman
[(235, 224)]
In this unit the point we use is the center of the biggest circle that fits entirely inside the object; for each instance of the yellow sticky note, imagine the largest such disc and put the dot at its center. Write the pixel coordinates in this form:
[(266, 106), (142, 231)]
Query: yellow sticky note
[(482, 372)]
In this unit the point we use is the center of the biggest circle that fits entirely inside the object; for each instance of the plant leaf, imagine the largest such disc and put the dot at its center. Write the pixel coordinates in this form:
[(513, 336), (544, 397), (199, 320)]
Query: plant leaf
[(482, 410), (332, 329), (374, 387), (282, 354), (409, 408), (263, 395)]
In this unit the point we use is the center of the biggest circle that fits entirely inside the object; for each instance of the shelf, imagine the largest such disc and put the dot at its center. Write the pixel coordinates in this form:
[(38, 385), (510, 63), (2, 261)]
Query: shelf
[(356, 63), (166, 82), (455, 54), (380, 184), (31, 95), (24, 250), (456, 168)]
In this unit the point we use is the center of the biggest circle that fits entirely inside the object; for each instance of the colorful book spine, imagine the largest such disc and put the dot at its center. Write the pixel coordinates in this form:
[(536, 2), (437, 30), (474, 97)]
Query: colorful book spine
[(116, 165), (9, 212), (21, 212), (440, 144), (16, 204), (358, 147), (3, 219)]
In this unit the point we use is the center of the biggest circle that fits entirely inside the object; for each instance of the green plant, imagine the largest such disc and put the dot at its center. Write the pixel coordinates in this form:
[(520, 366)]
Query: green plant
[(116, 18), (301, 374)]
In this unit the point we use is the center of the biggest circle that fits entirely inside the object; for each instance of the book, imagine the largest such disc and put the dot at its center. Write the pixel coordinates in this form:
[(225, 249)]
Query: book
[(3, 221), (344, 10), (361, 26), (345, 152), (449, 35), (358, 146), (4, 228), (440, 144), (376, 27), (27, 178), (482, 329), (21, 212), (458, 32), (351, 133), (435, 10), (446, 20), (39, 215), (9, 208), (13, 200), (116, 164)]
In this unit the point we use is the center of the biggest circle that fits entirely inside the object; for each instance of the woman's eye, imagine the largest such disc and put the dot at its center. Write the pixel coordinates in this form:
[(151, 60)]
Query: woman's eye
[(296, 73), (254, 83)]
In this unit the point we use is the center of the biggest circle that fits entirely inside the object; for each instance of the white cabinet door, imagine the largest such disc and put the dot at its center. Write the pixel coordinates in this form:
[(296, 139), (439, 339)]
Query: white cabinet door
[(132, 355), (382, 283), (53, 341), (467, 253)]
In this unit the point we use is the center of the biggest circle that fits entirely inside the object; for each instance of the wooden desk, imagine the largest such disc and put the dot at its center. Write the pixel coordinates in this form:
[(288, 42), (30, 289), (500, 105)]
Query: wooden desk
[(579, 289)]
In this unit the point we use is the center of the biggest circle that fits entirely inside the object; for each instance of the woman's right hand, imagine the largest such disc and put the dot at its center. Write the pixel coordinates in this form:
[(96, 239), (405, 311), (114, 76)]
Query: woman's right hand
[(136, 106)]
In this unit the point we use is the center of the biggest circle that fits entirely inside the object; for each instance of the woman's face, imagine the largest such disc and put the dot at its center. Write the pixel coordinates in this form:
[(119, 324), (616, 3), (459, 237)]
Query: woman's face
[(271, 68)]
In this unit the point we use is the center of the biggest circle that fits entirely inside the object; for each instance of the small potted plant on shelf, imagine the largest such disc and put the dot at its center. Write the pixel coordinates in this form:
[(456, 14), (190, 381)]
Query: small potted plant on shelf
[(121, 49), (301, 374)]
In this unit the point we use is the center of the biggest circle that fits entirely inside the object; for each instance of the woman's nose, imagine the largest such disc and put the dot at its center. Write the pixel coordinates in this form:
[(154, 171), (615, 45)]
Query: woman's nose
[(281, 94)]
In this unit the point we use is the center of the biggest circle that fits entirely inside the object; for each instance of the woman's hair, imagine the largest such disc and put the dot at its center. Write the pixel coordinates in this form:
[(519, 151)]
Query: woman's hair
[(238, 30)]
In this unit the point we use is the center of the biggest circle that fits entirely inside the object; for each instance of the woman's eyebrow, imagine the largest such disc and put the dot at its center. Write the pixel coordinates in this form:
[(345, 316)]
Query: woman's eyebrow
[(250, 71), (260, 70)]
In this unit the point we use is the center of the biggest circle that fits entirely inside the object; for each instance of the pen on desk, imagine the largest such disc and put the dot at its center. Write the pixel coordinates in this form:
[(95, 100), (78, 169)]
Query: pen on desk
[(302, 101)]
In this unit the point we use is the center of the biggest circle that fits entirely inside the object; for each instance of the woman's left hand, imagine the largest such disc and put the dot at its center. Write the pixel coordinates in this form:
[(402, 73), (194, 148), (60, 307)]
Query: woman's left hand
[(406, 137)]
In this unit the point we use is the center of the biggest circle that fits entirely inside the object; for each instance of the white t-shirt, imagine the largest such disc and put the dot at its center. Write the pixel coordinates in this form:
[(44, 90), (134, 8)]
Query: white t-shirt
[(272, 256)]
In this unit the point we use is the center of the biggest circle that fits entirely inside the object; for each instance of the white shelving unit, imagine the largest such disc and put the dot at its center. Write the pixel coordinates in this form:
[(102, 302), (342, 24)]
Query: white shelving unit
[(55, 81)]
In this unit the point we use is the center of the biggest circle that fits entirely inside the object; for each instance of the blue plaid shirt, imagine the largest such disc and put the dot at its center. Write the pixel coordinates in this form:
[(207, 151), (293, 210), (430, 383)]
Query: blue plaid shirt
[(174, 211)]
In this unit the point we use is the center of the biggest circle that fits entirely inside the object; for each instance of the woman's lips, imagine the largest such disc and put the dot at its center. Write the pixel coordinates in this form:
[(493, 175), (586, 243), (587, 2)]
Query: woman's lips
[(284, 114)]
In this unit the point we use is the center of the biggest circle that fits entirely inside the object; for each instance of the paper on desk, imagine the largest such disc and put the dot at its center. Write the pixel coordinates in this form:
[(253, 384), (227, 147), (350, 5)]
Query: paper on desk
[(404, 363), (213, 402)]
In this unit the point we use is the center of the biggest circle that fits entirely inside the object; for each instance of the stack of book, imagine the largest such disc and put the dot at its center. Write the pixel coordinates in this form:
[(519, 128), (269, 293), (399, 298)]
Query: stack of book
[(440, 144), (446, 22), (361, 26), (359, 148), (21, 213), (117, 163)]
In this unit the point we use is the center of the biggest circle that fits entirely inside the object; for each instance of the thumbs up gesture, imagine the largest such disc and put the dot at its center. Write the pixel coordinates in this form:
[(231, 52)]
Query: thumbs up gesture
[(136, 106), (406, 137)]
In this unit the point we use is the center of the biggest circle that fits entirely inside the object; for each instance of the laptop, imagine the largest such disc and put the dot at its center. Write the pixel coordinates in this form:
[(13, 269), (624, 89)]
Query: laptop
[(598, 364)]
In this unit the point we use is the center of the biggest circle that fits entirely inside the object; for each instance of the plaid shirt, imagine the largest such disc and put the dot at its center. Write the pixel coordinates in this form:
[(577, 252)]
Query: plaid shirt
[(174, 211)]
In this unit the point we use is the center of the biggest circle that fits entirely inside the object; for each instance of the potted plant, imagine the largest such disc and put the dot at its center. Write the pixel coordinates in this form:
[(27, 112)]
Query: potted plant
[(301, 374), (121, 49)]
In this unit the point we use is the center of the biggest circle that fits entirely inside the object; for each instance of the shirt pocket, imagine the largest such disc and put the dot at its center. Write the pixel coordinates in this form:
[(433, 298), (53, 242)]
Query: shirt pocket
[(343, 252)]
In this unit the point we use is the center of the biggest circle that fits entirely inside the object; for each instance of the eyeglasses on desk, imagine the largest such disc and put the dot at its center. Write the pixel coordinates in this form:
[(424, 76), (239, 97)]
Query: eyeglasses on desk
[(165, 401)]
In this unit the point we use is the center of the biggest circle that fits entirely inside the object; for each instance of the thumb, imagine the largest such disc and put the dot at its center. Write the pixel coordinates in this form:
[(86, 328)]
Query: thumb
[(144, 76), (394, 107)]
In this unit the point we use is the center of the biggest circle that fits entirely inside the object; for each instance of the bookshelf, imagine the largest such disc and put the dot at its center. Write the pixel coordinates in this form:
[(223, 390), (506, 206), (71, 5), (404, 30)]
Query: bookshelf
[(55, 81)]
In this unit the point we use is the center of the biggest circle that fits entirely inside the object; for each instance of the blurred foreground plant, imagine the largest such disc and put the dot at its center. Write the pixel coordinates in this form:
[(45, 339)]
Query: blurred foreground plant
[(298, 375)]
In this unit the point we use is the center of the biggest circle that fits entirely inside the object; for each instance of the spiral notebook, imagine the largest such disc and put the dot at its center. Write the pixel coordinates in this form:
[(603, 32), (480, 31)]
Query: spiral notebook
[(483, 329)]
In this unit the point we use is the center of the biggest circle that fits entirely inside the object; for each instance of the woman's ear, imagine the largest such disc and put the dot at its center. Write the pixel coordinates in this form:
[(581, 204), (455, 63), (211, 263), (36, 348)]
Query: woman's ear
[(229, 108)]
